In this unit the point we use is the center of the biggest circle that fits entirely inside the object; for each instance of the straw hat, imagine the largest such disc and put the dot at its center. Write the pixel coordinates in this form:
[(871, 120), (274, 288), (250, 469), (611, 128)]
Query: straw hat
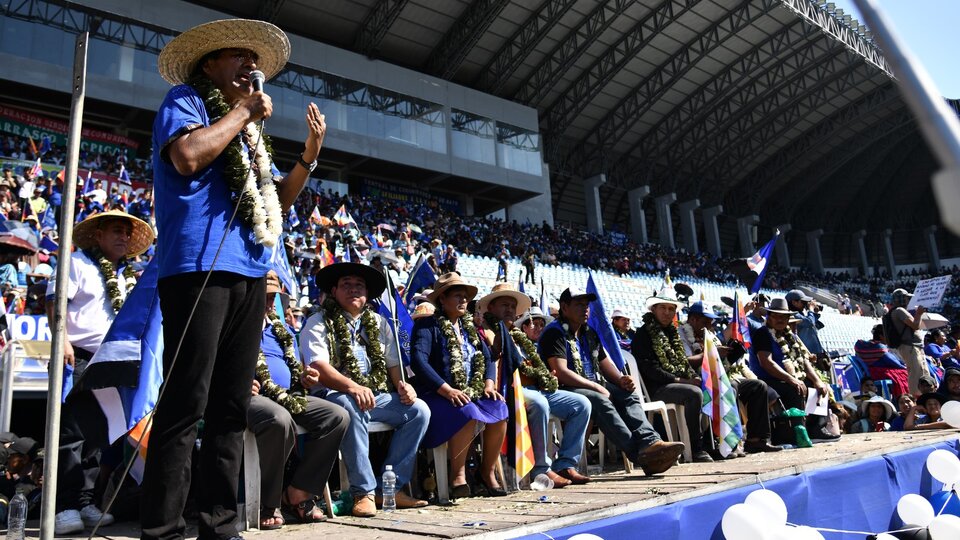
[(179, 58), (505, 290), (451, 279), (85, 232), (328, 277), (425, 309)]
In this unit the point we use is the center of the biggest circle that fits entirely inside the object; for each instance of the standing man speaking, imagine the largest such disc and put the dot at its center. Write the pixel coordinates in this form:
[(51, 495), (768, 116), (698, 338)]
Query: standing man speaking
[(210, 159)]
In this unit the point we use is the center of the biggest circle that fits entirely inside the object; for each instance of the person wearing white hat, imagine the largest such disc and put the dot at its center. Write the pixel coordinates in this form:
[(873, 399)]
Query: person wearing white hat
[(101, 276), (541, 394), (665, 367), (573, 351), (621, 325), (210, 156), (532, 323), (875, 415)]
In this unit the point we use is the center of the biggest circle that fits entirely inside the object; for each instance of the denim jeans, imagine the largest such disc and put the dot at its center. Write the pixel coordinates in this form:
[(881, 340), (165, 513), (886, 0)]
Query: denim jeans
[(621, 419), (573, 409), (410, 424)]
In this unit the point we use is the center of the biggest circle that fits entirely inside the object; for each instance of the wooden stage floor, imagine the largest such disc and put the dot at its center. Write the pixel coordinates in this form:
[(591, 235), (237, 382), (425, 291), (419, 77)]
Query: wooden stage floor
[(609, 494)]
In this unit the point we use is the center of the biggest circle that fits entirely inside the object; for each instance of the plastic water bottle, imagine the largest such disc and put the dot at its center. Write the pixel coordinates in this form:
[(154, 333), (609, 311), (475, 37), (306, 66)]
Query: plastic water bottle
[(17, 516), (389, 489)]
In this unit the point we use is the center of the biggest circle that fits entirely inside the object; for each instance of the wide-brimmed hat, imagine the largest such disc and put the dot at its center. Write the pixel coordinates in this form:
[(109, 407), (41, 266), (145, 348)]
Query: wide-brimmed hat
[(179, 58), (448, 280), (426, 309), (505, 290), (779, 305), (328, 277), (888, 407), (532, 313), (85, 232), (665, 296), (619, 313)]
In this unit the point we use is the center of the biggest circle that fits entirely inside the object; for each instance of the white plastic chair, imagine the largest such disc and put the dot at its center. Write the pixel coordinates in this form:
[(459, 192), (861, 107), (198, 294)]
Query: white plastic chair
[(675, 430)]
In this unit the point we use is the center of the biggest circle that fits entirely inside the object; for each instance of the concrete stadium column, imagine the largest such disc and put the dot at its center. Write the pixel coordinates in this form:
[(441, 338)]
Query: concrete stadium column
[(783, 255), (813, 250), (861, 238), (745, 232), (711, 230), (638, 219), (888, 252), (688, 225), (930, 237), (664, 222), (591, 193)]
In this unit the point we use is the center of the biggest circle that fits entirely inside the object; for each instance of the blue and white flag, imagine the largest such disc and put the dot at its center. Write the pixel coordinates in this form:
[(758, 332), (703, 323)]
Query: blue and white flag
[(293, 218), (48, 219), (544, 299), (45, 145), (126, 372), (420, 278), (751, 271), (390, 304), (49, 245), (520, 282), (281, 265), (603, 327)]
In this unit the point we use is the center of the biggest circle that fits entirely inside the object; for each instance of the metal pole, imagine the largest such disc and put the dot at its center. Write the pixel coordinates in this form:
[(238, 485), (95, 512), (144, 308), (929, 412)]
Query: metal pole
[(54, 388), (937, 122)]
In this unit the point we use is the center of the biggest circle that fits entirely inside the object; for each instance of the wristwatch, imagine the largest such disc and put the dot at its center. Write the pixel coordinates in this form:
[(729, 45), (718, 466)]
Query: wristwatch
[(308, 166)]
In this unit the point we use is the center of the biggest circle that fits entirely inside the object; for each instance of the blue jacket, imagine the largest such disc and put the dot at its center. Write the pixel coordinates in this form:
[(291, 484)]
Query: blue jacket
[(427, 356)]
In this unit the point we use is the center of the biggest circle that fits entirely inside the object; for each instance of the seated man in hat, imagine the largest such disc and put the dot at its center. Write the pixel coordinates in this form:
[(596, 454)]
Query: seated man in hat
[(755, 395), (573, 351), (669, 374), (358, 358), (779, 358), (540, 390), (621, 325), (278, 405), (532, 323), (99, 281)]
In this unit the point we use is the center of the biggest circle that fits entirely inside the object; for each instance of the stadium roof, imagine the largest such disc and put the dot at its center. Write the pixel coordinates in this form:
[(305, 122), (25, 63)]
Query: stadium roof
[(782, 108)]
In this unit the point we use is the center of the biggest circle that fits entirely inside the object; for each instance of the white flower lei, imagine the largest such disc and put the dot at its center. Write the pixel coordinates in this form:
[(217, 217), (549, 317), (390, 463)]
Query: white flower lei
[(260, 188)]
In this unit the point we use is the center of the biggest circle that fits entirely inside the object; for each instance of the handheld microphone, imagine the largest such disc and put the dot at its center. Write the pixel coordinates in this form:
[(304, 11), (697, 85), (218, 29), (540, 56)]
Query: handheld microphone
[(256, 80)]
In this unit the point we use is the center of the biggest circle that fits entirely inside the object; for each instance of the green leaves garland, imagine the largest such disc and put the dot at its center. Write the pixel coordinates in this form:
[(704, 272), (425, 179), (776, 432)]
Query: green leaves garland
[(574, 348), (109, 274), (667, 347), (534, 367), (794, 352), (478, 364), (292, 399), (342, 357)]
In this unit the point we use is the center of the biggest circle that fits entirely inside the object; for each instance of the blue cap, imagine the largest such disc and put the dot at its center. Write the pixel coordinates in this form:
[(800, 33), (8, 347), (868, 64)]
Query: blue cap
[(697, 308)]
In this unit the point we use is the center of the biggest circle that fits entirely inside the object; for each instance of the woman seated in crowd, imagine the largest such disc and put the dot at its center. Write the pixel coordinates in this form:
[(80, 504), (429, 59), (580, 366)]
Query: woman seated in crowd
[(905, 404), (875, 414), (456, 377), (882, 363)]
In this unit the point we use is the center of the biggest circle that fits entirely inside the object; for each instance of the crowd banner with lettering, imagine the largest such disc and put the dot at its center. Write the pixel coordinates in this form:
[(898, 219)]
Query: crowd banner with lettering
[(407, 194), (929, 292), (29, 327), (26, 124)]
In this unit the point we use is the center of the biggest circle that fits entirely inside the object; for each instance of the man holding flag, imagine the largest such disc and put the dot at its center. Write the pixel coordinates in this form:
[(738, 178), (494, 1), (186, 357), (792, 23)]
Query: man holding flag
[(105, 242), (541, 396), (359, 363)]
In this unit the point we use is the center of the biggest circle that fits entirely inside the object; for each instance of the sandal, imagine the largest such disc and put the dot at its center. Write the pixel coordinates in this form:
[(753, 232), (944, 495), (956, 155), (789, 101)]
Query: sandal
[(305, 511), (271, 514)]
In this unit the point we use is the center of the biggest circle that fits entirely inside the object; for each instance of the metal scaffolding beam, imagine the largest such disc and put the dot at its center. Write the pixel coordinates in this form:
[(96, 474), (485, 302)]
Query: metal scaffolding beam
[(376, 25), (460, 39), (518, 47)]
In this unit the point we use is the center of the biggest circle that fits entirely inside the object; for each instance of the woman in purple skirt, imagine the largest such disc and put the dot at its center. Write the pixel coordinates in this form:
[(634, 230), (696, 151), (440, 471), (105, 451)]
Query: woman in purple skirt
[(456, 377)]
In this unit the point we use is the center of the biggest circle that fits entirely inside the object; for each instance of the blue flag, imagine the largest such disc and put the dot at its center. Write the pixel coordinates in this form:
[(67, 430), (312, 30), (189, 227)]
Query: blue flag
[(47, 243), (293, 218), (281, 265), (48, 218), (124, 175), (421, 277), (603, 327), (520, 282), (390, 304), (90, 184), (44, 145), (544, 299), (126, 372), (751, 271)]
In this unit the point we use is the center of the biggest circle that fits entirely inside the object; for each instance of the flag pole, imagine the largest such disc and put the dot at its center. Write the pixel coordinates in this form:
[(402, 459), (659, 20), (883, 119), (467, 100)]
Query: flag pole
[(55, 373), (396, 323)]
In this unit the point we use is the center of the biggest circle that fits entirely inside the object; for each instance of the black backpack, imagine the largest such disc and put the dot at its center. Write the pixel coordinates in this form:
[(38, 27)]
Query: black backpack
[(894, 338)]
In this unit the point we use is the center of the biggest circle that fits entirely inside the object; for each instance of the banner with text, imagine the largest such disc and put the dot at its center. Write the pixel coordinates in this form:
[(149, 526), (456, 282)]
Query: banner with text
[(929, 292), (407, 194), (25, 124)]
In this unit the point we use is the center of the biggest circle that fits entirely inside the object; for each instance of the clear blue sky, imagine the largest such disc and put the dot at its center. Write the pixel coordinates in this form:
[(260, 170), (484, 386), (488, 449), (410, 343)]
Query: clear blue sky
[(929, 28)]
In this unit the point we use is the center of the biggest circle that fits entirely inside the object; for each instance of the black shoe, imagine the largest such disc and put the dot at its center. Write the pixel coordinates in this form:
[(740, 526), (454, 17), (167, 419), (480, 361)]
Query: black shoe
[(760, 446), (820, 435), (702, 457), (460, 492), (492, 491)]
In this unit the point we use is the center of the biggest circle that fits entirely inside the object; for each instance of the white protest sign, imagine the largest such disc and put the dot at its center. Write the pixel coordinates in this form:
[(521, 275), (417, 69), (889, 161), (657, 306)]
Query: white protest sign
[(929, 292)]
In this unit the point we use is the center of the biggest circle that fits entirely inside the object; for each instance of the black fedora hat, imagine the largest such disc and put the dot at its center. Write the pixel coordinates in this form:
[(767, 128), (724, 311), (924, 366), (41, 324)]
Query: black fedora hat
[(329, 276)]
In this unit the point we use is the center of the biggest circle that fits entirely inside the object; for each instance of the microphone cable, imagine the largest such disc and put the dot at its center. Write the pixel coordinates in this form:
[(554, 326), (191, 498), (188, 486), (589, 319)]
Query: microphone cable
[(176, 352)]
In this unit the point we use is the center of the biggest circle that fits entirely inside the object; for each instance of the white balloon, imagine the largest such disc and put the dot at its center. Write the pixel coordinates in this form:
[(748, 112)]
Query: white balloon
[(807, 533), (915, 510), (744, 522), (585, 536), (950, 412), (885, 536), (770, 504), (944, 466), (945, 527)]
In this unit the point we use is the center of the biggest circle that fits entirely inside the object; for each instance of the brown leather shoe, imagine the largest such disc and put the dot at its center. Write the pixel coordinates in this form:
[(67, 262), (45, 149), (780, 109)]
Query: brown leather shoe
[(659, 457), (573, 476), (559, 482), (364, 506), (403, 501)]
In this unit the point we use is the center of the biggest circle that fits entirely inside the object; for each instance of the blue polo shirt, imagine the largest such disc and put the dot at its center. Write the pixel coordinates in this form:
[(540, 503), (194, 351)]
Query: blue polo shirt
[(273, 353), (192, 211)]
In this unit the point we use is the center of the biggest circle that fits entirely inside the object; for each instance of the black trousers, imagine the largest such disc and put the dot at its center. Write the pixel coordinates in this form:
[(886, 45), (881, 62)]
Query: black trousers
[(82, 434), (756, 397), (211, 380)]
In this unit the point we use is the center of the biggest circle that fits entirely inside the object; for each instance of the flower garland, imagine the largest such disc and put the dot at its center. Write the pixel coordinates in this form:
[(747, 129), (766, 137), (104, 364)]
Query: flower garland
[(253, 185), (794, 353), (109, 274), (478, 365), (688, 335), (345, 361), (534, 367), (668, 348), (292, 399)]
